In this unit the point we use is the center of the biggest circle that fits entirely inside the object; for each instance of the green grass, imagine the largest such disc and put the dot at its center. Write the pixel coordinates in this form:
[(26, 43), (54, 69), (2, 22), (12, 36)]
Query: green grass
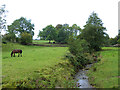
[(34, 58), (106, 74), (46, 43), (57, 71), (41, 41)]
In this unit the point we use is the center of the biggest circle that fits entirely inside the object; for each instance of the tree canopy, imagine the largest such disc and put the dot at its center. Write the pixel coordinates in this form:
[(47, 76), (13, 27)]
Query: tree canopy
[(60, 33), (21, 25), (48, 33), (17, 28), (94, 32)]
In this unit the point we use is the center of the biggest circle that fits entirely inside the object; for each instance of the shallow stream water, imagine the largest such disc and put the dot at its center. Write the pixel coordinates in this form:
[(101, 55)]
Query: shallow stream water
[(82, 79)]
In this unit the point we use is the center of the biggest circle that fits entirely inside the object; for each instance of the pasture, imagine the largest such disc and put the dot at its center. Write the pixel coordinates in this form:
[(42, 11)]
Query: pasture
[(34, 58), (51, 44), (41, 41), (104, 74)]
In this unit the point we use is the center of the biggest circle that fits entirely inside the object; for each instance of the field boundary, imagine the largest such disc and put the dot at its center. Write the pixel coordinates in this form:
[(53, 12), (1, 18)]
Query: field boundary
[(52, 45)]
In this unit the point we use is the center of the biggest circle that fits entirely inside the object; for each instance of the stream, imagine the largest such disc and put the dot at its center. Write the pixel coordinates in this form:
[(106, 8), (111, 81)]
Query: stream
[(82, 79)]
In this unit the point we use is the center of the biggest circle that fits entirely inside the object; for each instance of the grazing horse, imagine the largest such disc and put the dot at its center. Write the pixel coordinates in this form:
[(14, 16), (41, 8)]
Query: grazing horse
[(16, 51)]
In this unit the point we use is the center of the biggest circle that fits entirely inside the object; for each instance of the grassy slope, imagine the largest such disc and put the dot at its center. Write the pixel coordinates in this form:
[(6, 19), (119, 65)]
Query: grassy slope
[(34, 58), (106, 74)]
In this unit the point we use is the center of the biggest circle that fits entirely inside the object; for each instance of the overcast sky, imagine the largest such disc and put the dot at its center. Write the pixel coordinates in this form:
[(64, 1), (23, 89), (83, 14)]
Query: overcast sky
[(46, 12)]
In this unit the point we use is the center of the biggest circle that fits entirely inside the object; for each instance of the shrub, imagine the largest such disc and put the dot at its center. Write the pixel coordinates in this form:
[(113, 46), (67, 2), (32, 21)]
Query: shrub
[(79, 53), (78, 46), (26, 38), (9, 37)]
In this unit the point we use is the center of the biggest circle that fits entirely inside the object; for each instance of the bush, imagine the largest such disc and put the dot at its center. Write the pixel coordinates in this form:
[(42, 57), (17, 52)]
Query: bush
[(78, 46), (26, 38), (79, 53), (9, 37)]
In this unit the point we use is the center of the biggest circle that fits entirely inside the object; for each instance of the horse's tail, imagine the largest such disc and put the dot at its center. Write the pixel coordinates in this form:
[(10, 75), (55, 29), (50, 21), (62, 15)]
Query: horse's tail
[(11, 53)]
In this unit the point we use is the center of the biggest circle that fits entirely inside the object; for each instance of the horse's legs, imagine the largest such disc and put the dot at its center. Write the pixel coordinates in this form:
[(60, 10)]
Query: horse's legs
[(18, 54), (21, 54), (14, 54)]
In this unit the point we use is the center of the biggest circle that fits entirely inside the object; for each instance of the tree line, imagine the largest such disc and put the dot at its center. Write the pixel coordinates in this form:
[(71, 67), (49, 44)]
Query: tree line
[(60, 33), (82, 42), (22, 31)]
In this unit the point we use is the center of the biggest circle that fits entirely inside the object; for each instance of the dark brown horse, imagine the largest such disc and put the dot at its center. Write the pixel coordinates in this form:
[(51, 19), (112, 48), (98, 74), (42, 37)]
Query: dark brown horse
[(16, 51)]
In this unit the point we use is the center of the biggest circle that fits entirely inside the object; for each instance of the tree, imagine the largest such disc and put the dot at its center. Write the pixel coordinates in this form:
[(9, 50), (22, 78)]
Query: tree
[(93, 32), (48, 33), (118, 41), (62, 33), (20, 26), (75, 29), (107, 40), (9, 37), (41, 35), (2, 18), (61, 36), (79, 52), (59, 26), (26, 38), (77, 46), (113, 41)]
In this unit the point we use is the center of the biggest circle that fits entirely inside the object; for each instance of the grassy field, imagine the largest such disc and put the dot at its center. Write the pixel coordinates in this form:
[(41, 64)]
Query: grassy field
[(104, 74), (46, 43), (41, 42), (34, 59)]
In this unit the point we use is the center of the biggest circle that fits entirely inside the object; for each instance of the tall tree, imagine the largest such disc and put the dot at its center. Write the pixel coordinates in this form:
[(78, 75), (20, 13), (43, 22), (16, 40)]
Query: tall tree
[(62, 36), (48, 33), (62, 33), (21, 25), (94, 32)]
